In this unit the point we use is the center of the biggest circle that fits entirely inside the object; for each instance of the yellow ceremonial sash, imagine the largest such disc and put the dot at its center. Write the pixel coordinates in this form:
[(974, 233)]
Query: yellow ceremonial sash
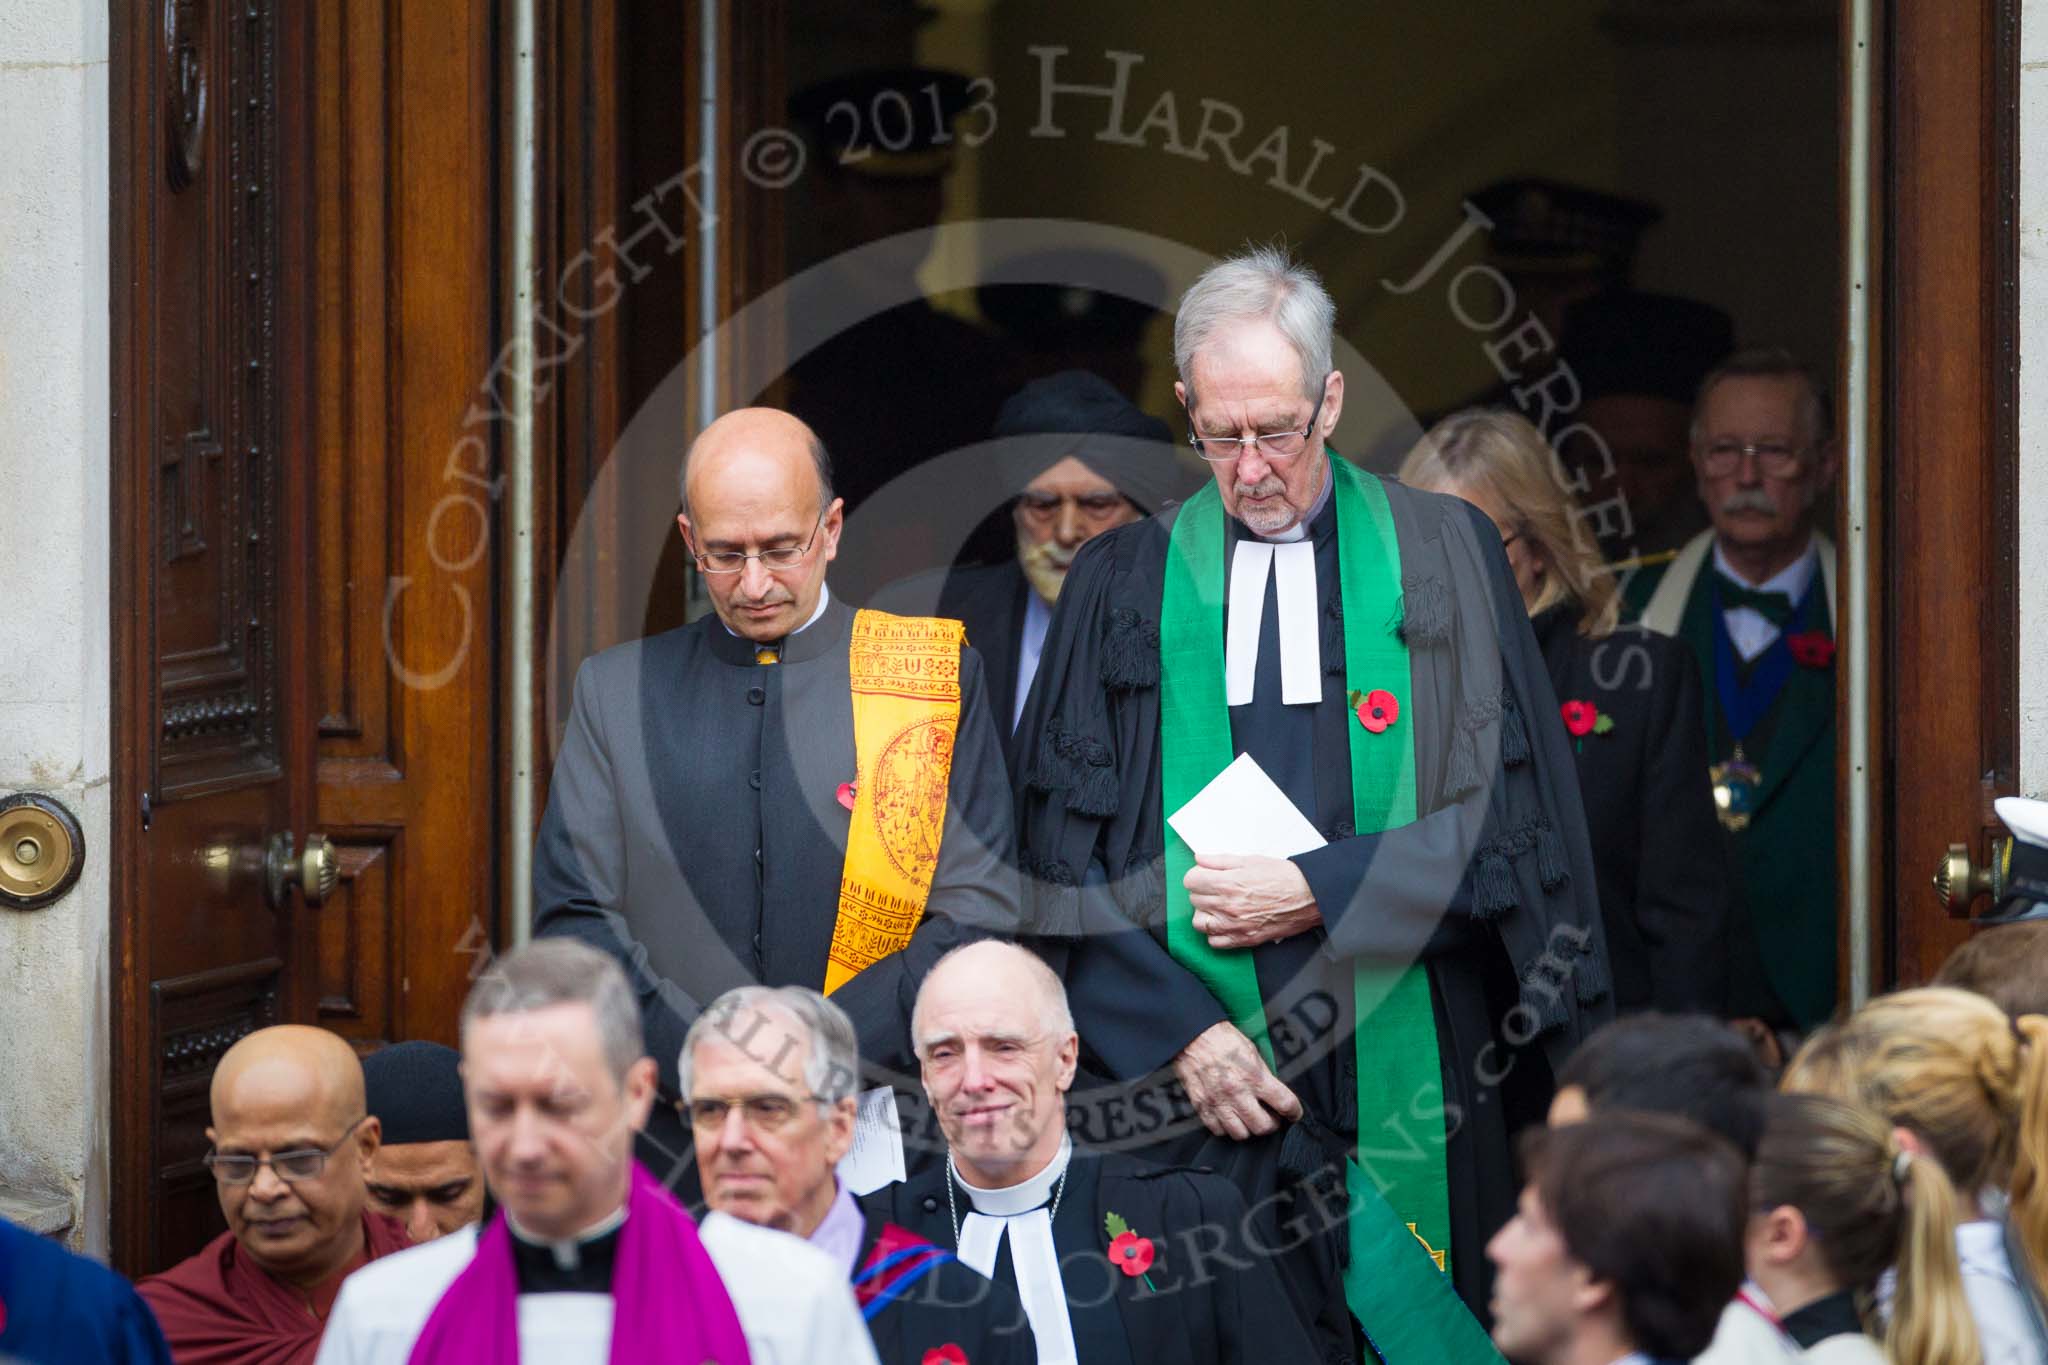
[(906, 707)]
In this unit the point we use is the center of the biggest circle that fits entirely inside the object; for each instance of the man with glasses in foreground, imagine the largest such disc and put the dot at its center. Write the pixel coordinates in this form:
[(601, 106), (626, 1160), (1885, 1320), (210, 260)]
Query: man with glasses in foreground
[(1394, 960), (1755, 597), (787, 791), (768, 1079), (292, 1147)]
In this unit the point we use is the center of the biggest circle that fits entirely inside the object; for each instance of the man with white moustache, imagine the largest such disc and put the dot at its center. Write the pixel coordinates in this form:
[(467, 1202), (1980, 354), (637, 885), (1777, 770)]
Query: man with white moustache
[(1755, 598), (587, 1259)]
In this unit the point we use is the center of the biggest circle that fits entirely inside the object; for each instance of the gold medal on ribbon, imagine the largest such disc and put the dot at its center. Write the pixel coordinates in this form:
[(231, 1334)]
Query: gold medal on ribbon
[(1736, 784)]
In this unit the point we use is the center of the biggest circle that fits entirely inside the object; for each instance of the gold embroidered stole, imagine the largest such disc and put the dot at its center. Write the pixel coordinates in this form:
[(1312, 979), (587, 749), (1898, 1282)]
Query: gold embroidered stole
[(906, 708)]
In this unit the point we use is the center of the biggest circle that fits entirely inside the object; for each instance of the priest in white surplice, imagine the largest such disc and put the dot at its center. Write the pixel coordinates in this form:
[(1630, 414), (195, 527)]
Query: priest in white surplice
[(1117, 1261), (588, 1259)]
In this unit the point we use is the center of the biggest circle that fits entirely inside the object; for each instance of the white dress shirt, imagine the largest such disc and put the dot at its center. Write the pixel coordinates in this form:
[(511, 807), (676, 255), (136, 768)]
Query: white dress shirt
[(1749, 630)]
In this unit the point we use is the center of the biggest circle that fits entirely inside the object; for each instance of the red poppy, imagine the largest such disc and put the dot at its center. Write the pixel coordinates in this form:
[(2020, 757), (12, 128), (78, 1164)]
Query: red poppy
[(1378, 709), (1811, 649), (949, 1354), (1131, 1253), (846, 793), (1579, 717)]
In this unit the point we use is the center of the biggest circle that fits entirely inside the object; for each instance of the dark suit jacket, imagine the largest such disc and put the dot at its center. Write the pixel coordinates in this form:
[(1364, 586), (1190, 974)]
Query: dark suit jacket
[(693, 831), (1667, 893), (1210, 1296), (989, 599), (1783, 966)]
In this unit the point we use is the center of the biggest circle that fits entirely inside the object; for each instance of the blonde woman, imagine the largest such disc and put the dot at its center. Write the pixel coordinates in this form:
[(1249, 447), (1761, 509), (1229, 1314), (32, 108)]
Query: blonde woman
[(1965, 1085), (1630, 701)]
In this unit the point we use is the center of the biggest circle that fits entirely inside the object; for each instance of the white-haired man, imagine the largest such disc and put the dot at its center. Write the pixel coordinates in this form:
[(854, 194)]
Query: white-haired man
[(768, 1086), (1365, 645), (1115, 1259), (588, 1259)]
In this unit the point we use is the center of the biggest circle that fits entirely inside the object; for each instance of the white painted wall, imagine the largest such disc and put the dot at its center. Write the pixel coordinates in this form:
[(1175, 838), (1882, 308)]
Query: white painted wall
[(2033, 491), (54, 399)]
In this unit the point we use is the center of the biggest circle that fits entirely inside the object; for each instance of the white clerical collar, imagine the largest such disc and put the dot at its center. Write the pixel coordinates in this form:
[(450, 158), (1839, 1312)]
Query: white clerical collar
[(1022, 1197), (824, 597), (1792, 580), (568, 1252), (1020, 1213), (1300, 529)]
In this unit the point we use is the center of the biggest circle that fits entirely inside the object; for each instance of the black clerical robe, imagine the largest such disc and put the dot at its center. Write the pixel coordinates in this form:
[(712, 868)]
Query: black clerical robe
[(919, 1299), (1492, 886), (694, 829), (1210, 1293)]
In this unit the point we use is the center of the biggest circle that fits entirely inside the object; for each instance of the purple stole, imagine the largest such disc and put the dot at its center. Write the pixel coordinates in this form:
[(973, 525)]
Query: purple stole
[(668, 1302)]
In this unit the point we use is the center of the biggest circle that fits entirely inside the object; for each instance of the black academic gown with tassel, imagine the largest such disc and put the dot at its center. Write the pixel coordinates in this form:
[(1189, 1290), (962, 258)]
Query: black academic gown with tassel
[(1492, 887)]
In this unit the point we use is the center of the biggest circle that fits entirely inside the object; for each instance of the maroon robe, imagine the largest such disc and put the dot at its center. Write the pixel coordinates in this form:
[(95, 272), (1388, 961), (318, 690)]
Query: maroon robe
[(218, 1307)]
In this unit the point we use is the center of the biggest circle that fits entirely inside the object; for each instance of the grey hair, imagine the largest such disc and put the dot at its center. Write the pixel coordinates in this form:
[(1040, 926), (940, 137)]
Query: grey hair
[(1773, 362), (562, 971), (1055, 1016), (1262, 283), (821, 464), (831, 1057)]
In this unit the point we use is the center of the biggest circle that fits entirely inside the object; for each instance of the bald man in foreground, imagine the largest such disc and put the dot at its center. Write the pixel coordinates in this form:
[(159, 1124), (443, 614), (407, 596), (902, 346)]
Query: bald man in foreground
[(292, 1147), (787, 792)]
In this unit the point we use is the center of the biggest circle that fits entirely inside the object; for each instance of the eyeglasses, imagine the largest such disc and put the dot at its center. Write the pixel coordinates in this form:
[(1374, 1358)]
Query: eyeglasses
[(763, 1113), (1274, 445), (1773, 458), (781, 557), (1092, 506), (303, 1163)]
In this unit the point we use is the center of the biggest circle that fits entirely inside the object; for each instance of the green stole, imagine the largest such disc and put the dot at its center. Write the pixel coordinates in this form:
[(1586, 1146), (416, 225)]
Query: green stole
[(1393, 1234)]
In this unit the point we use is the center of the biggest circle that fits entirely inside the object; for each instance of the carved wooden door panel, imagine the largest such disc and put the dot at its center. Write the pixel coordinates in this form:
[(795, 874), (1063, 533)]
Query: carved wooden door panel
[(306, 524), (212, 773)]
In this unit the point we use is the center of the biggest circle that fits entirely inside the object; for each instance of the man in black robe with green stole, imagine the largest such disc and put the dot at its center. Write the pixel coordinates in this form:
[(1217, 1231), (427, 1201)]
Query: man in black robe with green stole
[(1374, 1015)]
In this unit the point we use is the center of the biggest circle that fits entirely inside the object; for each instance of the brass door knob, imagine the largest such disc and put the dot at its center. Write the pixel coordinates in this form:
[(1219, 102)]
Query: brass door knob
[(314, 870), (1959, 880)]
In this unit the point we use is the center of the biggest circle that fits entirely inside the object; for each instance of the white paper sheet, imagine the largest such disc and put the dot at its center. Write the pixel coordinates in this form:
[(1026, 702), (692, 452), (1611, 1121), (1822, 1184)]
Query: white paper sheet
[(1243, 811), (876, 1157)]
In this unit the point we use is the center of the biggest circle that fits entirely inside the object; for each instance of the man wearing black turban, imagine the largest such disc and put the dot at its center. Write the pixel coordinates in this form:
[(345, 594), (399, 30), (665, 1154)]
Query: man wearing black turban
[(1076, 459), (424, 1173)]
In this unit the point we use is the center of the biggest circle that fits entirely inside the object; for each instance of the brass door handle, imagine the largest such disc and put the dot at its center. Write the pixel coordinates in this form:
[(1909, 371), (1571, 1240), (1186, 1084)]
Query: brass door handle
[(314, 869), (1960, 880)]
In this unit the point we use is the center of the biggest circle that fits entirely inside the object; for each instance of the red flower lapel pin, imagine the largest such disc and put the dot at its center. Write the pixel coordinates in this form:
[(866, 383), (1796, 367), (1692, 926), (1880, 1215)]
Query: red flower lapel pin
[(1376, 709), (1128, 1251), (1811, 649), (847, 791), (949, 1354), (1582, 718)]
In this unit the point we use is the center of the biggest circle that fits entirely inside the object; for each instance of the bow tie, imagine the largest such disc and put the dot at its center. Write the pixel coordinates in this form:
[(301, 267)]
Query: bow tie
[(1774, 607)]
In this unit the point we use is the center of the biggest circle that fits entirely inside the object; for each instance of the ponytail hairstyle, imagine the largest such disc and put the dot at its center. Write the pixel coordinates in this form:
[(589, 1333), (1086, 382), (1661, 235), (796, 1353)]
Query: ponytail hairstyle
[(1871, 1205), (1972, 1084)]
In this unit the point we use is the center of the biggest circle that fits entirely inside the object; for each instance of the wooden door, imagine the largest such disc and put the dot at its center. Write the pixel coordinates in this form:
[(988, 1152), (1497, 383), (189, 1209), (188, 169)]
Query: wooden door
[(306, 546), (209, 579), (1943, 511)]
